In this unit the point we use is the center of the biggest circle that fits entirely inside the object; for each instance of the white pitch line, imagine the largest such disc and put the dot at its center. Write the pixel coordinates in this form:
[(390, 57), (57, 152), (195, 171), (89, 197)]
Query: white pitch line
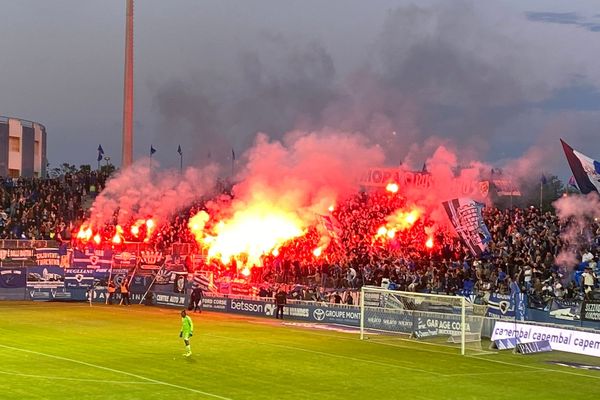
[(537, 368), (323, 353), (537, 371), (474, 356), (76, 379), (117, 371)]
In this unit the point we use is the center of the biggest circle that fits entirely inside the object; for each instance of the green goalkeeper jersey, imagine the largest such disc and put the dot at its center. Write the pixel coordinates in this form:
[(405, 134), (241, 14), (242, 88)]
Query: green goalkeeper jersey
[(187, 326)]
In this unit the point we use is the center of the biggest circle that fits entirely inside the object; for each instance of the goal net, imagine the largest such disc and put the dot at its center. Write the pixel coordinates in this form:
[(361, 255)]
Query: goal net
[(436, 318)]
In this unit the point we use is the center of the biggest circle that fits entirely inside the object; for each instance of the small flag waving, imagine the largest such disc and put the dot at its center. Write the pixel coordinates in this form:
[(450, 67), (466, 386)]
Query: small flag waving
[(572, 181), (100, 152), (152, 150), (179, 150), (543, 179), (585, 169), (232, 154), (331, 225), (467, 219)]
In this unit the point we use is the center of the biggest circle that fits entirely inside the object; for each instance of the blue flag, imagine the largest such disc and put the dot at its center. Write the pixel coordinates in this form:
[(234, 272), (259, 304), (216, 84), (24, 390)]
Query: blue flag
[(467, 219), (152, 150), (100, 152), (543, 180), (232, 154), (179, 150)]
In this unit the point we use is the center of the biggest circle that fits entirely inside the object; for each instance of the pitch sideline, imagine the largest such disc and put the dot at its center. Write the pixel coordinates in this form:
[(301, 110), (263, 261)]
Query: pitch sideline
[(478, 356), (323, 353), (63, 378), (117, 371)]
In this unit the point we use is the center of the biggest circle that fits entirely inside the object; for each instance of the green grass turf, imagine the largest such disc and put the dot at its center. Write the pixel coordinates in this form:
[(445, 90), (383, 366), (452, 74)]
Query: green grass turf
[(74, 351)]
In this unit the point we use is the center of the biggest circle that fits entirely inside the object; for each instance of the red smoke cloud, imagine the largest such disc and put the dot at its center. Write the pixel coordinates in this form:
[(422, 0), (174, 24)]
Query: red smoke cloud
[(284, 187), (575, 213), (138, 193)]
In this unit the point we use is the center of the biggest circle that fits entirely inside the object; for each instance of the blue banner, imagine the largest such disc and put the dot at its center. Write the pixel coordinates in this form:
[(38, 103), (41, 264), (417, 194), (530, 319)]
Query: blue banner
[(45, 282), (48, 256), (140, 283), (13, 282), (124, 259), (13, 278), (79, 278), (39, 277), (502, 306), (92, 258)]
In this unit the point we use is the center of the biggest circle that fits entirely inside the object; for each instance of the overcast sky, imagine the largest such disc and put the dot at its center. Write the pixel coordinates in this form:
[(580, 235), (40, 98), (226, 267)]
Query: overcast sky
[(496, 80)]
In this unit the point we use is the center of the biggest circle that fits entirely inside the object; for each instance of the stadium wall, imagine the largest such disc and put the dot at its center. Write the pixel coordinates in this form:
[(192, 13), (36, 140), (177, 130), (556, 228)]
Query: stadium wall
[(41, 270), (22, 148)]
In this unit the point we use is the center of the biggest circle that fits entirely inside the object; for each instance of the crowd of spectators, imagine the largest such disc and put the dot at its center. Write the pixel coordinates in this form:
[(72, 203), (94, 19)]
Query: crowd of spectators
[(528, 252), (45, 209)]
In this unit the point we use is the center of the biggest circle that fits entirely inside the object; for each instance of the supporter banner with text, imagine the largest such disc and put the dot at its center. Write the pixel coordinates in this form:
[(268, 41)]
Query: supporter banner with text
[(45, 282), (92, 258), (48, 256), (590, 310), (79, 278), (19, 256), (13, 282), (380, 177)]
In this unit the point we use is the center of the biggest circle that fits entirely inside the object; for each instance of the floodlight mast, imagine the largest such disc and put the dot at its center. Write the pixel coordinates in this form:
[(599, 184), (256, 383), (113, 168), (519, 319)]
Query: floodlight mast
[(127, 147)]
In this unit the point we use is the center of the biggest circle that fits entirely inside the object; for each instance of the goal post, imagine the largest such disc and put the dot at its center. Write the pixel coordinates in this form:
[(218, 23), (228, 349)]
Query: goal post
[(423, 316)]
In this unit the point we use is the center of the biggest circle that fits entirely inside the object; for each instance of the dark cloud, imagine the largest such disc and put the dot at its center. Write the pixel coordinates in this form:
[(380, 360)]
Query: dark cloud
[(447, 75), (568, 18), (258, 97)]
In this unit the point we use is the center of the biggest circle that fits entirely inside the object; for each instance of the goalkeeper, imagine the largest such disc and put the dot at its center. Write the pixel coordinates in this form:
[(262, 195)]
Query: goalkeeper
[(187, 330)]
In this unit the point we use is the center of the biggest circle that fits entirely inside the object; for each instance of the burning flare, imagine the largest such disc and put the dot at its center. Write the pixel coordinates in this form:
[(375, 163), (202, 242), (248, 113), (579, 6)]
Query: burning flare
[(248, 235)]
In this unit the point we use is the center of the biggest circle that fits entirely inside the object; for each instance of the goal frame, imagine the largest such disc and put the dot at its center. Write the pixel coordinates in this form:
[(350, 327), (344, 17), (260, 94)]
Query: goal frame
[(375, 289)]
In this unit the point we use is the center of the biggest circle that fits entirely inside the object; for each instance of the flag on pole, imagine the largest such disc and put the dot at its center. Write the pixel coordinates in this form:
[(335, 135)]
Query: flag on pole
[(586, 170), (152, 150), (543, 179), (100, 152), (179, 150), (232, 154)]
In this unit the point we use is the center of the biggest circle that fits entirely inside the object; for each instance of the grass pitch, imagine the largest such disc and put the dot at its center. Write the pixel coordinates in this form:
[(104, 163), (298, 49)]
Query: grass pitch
[(74, 351)]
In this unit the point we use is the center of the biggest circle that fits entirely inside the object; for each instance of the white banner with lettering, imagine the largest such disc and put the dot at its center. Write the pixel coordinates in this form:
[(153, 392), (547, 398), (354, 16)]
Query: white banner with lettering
[(560, 339)]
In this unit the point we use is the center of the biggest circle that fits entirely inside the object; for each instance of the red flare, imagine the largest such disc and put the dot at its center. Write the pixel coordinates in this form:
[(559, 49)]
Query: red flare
[(429, 243), (392, 187)]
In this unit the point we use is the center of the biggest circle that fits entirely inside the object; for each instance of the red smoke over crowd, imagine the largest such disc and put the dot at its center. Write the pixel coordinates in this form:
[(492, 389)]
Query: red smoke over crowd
[(294, 196), (299, 198)]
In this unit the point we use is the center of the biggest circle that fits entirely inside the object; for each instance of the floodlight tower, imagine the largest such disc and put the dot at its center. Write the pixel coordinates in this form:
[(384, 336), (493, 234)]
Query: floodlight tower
[(128, 90)]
